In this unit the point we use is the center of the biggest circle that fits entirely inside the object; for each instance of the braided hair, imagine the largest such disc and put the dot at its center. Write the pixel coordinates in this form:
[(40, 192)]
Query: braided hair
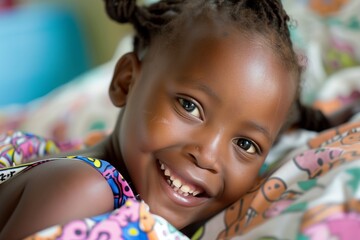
[(147, 21), (264, 17)]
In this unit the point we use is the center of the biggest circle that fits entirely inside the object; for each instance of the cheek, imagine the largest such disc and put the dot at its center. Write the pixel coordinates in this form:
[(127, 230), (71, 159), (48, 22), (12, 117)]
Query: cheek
[(239, 180), (153, 124)]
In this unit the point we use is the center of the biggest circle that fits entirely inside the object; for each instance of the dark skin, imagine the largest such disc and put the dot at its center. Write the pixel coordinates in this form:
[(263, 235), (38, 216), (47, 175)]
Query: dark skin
[(178, 111), (26, 211)]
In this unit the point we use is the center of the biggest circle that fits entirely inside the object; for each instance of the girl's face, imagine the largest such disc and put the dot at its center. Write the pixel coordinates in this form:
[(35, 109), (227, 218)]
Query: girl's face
[(199, 121)]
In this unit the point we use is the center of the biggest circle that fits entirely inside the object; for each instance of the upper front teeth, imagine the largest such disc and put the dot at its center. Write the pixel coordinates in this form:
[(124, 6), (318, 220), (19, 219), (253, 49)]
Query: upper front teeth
[(176, 184)]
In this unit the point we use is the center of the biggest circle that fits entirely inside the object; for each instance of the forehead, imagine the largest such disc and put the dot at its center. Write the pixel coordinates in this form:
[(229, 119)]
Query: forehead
[(206, 34), (213, 45)]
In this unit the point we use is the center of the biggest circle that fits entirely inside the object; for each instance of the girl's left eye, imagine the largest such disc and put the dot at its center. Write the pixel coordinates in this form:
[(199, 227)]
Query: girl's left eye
[(190, 107), (247, 145)]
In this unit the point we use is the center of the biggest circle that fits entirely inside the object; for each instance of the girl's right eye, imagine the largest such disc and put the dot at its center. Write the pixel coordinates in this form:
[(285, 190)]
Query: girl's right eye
[(190, 107), (247, 145)]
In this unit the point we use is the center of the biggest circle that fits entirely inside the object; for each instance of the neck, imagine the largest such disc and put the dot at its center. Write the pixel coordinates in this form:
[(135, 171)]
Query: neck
[(109, 150)]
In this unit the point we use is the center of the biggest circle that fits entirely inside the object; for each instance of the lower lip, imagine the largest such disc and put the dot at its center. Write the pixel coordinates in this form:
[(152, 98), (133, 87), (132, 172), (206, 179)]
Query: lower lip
[(186, 201)]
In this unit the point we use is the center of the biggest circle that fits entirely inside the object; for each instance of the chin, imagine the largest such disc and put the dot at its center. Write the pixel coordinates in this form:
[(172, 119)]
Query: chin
[(175, 219)]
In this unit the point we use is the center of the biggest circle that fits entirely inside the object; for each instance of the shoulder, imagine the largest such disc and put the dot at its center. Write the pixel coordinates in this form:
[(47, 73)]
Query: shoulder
[(55, 192), (67, 176), (69, 181)]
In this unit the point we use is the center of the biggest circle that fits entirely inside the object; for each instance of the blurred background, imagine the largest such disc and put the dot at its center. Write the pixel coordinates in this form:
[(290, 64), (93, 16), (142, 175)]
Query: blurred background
[(46, 43)]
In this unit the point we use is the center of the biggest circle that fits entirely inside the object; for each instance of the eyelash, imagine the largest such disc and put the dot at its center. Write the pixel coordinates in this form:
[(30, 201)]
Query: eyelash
[(256, 148), (184, 103)]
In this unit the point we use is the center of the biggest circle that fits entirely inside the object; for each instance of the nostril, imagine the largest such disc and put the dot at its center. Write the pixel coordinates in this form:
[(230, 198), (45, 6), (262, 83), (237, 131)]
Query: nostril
[(202, 159), (193, 152), (201, 163), (193, 156)]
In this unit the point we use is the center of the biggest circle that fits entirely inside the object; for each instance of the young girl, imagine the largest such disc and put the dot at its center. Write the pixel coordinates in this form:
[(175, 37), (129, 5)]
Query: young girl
[(204, 95)]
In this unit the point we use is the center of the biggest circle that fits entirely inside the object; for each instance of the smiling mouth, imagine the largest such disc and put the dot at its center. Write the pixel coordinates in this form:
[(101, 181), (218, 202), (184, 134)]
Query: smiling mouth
[(179, 185)]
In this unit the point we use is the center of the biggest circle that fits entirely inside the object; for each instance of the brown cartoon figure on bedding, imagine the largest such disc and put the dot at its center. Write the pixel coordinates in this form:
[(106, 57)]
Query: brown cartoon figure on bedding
[(236, 215), (250, 209)]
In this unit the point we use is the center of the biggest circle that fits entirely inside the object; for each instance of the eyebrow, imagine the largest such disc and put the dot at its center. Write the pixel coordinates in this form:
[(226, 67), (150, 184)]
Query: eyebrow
[(260, 128), (205, 88)]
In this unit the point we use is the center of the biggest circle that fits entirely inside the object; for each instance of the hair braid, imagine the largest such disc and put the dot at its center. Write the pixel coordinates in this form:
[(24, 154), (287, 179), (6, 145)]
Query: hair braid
[(264, 17), (147, 21), (261, 15)]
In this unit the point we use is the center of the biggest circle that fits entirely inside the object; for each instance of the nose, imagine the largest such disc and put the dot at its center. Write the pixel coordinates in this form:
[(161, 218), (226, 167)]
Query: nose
[(205, 151)]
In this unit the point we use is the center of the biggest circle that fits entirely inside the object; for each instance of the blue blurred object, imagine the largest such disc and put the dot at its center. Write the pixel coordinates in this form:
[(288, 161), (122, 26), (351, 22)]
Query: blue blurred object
[(41, 47)]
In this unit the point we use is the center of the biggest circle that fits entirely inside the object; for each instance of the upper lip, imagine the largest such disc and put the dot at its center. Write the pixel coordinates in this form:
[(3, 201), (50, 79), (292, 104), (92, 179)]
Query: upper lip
[(192, 178)]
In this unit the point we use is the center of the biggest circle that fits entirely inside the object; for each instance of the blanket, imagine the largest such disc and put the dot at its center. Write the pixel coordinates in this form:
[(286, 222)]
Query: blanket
[(312, 193)]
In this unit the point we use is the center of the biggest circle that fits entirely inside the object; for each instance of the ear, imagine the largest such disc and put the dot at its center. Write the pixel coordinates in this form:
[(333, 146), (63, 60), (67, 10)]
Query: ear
[(125, 74)]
